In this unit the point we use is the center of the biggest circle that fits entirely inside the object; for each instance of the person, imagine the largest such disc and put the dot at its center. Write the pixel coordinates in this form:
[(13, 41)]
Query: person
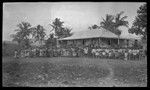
[(134, 54), (126, 55), (104, 54), (97, 53), (116, 54), (15, 54), (86, 51), (74, 53), (109, 54), (41, 52), (27, 53)]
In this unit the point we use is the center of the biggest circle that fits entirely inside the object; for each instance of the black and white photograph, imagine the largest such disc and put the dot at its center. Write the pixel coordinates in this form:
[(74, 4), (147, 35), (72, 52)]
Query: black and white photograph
[(74, 44)]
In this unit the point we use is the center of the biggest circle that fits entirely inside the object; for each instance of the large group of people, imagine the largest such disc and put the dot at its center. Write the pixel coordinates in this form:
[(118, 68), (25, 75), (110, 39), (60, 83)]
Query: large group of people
[(126, 54)]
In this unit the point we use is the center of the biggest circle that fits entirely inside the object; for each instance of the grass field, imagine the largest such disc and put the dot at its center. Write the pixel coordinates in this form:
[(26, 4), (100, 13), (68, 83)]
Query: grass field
[(73, 72)]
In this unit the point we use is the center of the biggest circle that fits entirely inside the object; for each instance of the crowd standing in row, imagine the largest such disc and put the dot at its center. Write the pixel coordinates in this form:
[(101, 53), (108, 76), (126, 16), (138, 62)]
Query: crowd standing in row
[(126, 54)]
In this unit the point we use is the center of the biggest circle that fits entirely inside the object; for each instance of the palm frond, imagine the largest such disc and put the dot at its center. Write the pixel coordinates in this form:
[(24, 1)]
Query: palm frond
[(122, 19)]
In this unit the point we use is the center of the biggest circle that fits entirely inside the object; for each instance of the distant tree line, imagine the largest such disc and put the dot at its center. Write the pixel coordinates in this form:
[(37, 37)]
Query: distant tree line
[(26, 34), (8, 48)]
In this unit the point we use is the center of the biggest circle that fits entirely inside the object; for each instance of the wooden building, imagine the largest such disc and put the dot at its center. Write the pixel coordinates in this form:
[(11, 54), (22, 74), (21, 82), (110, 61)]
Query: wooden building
[(97, 38)]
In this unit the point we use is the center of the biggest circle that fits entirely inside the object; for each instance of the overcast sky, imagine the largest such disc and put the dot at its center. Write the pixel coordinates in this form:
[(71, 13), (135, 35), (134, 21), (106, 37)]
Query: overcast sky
[(76, 15)]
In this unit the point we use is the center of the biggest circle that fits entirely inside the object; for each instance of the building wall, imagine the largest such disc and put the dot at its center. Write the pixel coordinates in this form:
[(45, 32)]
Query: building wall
[(102, 42)]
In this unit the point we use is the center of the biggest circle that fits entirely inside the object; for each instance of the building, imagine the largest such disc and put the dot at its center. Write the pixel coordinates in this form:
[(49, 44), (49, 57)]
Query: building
[(97, 38)]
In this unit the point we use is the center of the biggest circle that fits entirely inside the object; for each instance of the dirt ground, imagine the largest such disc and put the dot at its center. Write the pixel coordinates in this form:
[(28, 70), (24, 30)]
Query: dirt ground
[(73, 72)]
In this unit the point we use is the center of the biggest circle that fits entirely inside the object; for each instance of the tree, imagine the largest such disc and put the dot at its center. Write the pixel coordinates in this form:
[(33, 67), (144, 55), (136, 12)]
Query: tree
[(112, 23), (22, 34), (39, 33), (66, 32), (60, 30), (139, 26), (57, 26), (51, 41), (9, 48), (119, 21), (93, 27), (108, 22)]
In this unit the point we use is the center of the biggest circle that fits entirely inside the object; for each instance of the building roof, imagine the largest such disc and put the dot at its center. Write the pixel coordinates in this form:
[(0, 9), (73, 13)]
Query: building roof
[(91, 34), (95, 34)]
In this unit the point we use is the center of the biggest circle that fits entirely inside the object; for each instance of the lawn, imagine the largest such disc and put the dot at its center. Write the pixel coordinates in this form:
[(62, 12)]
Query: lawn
[(73, 72)]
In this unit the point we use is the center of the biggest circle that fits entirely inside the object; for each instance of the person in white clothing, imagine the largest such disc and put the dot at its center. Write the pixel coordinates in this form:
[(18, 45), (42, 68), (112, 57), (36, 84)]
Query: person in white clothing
[(126, 55), (15, 54)]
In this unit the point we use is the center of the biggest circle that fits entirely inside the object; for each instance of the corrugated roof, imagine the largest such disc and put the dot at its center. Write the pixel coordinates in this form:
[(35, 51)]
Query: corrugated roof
[(91, 34)]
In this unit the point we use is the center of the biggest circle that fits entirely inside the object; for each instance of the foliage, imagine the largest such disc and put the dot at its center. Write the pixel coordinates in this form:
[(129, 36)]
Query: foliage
[(112, 23), (119, 21), (22, 34), (108, 22), (38, 33), (51, 41), (60, 30), (93, 27), (66, 32), (139, 26), (8, 49)]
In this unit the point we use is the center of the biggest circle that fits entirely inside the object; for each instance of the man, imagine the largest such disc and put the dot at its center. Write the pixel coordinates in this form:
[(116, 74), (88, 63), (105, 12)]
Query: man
[(15, 54)]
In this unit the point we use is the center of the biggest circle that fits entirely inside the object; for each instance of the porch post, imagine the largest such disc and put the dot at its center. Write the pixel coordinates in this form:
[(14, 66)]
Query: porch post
[(73, 42), (83, 42), (99, 42), (127, 43), (110, 41), (118, 40)]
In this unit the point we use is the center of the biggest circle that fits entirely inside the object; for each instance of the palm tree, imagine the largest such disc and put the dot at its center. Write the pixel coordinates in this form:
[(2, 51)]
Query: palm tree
[(22, 34), (119, 21), (60, 31), (108, 22), (39, 33), (51, 41), (57, 27), (112, 23)]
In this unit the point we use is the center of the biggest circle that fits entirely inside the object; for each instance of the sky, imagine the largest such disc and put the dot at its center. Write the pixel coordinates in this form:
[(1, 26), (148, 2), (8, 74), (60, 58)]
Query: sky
[(76, 15)]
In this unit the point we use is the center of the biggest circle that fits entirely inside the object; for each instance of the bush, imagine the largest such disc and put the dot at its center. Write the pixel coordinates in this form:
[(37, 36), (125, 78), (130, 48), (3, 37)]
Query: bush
[(9, 49)]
